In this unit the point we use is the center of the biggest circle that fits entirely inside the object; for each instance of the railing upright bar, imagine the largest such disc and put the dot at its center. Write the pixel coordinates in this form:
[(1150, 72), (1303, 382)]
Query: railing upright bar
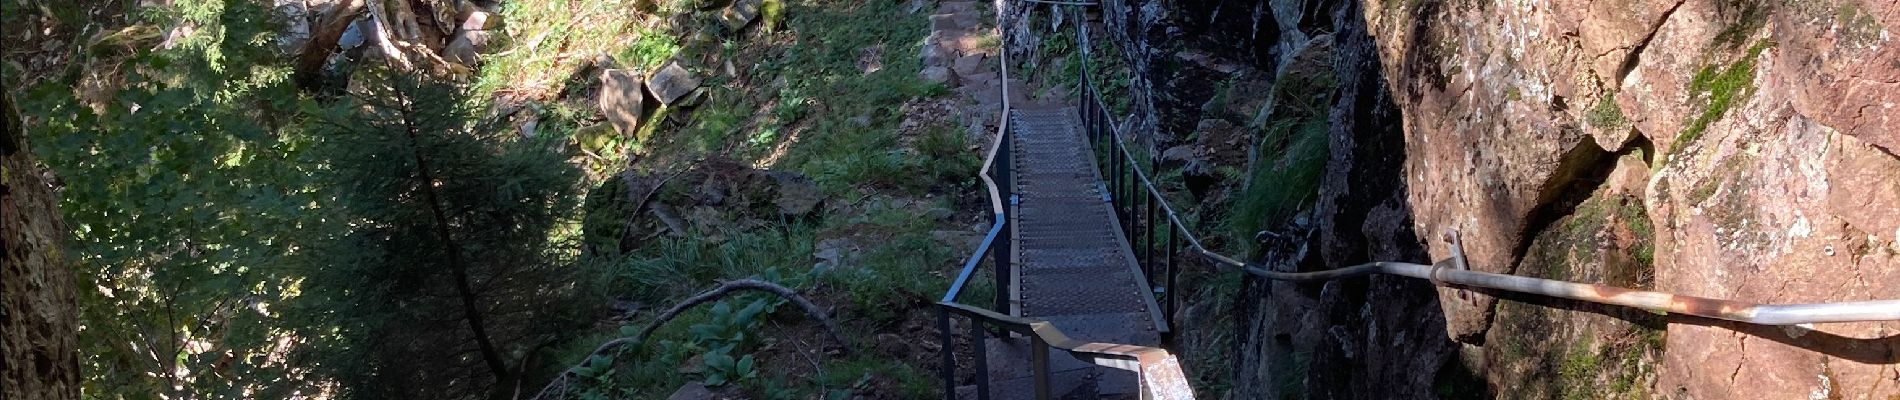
[(1144, 241), (1039, 366), (1121, 184), (1148, 229), (1114, 182), (1171, 294), (981, 345), (948, 351), (1004, 270)]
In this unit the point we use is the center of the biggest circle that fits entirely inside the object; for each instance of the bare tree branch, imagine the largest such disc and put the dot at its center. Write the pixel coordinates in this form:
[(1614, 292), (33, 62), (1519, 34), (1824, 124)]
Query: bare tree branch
[(559, 384)]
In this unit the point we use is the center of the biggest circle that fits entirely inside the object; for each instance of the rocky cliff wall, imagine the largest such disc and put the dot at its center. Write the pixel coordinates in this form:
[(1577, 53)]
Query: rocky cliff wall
[(1720, 148)]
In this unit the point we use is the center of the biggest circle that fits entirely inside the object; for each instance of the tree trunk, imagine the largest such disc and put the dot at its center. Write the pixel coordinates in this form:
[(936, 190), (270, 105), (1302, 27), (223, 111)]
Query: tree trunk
[(39, 306), (457, 263)]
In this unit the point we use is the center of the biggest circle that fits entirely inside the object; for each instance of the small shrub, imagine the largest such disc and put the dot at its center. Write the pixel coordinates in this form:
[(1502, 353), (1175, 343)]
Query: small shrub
[(721, 369), (1606, 114)]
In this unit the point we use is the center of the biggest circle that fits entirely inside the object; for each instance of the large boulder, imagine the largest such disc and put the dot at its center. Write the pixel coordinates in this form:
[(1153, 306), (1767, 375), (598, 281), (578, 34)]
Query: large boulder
[(671, 82), (740, 14), (478, 32), (938, 75), (622, 99)]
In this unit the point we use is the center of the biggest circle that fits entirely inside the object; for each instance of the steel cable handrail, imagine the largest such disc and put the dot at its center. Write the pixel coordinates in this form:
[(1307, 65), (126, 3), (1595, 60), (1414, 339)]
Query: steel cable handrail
[(1738, 311), (1760, 314)]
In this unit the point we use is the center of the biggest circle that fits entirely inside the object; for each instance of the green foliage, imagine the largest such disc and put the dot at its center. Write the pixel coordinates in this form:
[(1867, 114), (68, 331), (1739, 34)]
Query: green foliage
[(791, 105), (238, 238), (727, 329), (674, 267), (835, 151), (651, 49), (556, 31), (180, 193), (450, 220), (1284, 182), (857, 371), (721, 369)]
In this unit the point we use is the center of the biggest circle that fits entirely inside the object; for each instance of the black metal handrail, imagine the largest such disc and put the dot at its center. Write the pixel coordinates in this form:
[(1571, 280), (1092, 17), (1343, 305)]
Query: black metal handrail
[(1159, 371), (1133, 196)]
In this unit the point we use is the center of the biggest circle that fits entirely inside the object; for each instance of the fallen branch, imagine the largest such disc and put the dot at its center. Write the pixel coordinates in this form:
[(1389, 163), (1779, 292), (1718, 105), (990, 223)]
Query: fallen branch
[(723, 290), (672, 223), (322, 43)]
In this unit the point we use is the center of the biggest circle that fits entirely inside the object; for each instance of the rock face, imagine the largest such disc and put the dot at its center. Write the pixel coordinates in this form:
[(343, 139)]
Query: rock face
[(1729, 149), (1514, 113)]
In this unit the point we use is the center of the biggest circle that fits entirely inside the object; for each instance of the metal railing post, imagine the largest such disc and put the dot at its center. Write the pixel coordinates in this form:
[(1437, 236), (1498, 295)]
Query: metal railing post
[(1172, 273), (1148, 229), (1140, 237), (978, 341), (1114, 179), (1115, 176), (948, 351), (1001, 254), (1154, 169), (1039, 366)]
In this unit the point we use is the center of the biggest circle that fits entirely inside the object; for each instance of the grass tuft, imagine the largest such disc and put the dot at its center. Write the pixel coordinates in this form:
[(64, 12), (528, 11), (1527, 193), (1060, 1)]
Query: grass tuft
[(1606, 114)]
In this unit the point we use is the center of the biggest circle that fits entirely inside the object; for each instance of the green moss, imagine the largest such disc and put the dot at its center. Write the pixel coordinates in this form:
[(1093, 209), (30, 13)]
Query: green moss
[(1578, 237), (1612, 372), (1513, 94), (773, 13), (1723, 87), (1636, 218), (1606, 114), (1577, 372), (1857, 27)]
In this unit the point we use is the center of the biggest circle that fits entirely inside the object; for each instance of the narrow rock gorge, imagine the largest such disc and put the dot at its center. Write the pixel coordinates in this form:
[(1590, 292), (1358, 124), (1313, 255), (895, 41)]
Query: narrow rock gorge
[(1735, 149)]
